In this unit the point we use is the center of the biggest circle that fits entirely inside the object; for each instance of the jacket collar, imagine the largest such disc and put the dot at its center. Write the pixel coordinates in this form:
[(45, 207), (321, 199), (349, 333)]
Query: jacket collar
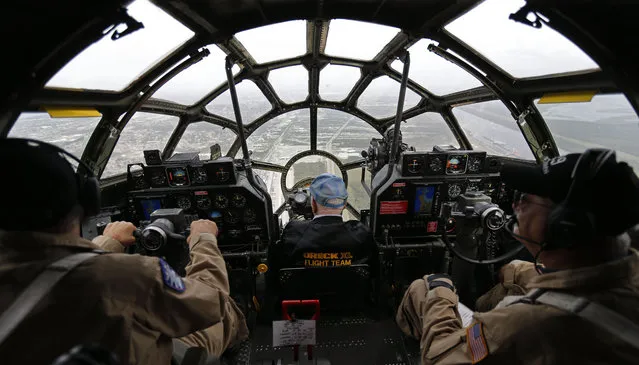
[(613, 273), (28, 240), (328, 219)]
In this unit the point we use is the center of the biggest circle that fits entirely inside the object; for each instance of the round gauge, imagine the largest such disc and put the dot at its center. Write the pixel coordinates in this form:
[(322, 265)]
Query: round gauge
[(249, 216), (199, 175), (454, 190), (221, 201), (415, 165), (222, 175), (158, 178), (140, 183), (435, 165), (474, 164), (203, 202), (473, 186), (238, 200), (183, 202), (231, 217)]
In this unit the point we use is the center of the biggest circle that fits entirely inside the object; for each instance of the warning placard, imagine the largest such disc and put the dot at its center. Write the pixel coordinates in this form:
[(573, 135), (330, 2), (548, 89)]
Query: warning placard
[(393, 207)]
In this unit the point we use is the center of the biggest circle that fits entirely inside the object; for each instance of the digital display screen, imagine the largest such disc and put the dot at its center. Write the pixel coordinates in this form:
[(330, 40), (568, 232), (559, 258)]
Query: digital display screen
[(149, 206), (424, 199), (456, 164)]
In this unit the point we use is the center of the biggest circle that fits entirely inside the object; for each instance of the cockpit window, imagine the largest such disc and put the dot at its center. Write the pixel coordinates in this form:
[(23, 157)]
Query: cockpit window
[(427, 130), (290, 83), (192, 84), (608, 121), (380, 98), (276, 41), (113, 65), (71, 134), (337, 81), (145, 131), (253, 103), (281, 138), (490, 127), (519, 49), (358, 40), (342, 134), (308, 168), (434, 73), (201, 136)]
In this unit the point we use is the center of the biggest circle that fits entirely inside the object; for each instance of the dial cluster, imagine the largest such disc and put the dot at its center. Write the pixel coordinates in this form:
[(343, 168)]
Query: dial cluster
[(449, 163)]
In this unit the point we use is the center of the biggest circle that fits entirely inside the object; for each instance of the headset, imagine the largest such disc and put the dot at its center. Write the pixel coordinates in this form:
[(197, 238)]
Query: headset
[(87, 182), (573, 222)]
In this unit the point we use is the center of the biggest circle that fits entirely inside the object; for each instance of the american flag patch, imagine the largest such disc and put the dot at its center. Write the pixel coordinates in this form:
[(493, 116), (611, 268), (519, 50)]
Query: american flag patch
[(476, 343)]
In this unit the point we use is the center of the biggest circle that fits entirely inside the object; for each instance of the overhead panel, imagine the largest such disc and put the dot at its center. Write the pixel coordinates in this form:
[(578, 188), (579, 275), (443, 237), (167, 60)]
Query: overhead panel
[(195, 82), (490, 127), (519, 49), (253, 103), (358, 40), (71, 134), (434, 73), (276, 41), (380, 98), (337, 81), (113, 65), (201, 136), (608, 121), (290, 83)]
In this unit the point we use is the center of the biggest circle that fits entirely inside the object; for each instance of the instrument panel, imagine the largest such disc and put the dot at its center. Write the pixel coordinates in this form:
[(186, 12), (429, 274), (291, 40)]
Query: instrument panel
[(449, 163), (217, 172)]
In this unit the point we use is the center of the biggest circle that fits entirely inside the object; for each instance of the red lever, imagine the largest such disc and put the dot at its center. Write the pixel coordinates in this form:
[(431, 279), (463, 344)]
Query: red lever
[(286, 304)]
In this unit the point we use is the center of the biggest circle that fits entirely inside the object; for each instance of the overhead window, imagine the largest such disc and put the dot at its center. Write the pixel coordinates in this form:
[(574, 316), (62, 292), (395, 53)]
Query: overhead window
[(427, 130), (198, 80), (434, 73), (337, 81), (519, 49), (358, 40), (290, 83), (380, 98), (145, 131), (608, 121), (282, 137), (253, 104), (276, 41), (490, 127), (113, 65), (71, 134), (343, 135), (200, 136)]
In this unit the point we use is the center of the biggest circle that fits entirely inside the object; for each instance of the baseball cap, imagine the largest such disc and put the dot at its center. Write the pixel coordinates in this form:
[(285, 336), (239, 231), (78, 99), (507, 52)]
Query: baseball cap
[(329, 191), (614, 192), (38, 188)]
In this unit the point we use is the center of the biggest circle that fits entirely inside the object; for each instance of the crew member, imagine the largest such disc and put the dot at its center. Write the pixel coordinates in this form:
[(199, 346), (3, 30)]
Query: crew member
[(326, 240), (133, 305), (570, 215)]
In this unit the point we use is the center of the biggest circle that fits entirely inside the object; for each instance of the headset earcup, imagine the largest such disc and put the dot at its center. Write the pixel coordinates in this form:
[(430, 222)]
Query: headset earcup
[(568, 228), (89, 189)]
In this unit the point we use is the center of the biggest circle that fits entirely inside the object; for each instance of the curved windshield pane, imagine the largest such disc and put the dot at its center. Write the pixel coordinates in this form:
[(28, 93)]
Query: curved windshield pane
[(112, 65), (276, 41), (519, 49), (201, 136), (337, 81), (427, 130), (272, 181), (145, 131), (195, 82), (357, 196), (343, 135), (358, 40), (281, 138), (290, 83), (71, 134), (608, 121), (253, 104), (310, 167), (379, 100), (490, 127), (435, 73)]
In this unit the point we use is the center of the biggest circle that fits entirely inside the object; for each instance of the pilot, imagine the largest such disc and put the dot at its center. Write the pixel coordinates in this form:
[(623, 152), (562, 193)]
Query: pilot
[(582, 303), (133, 305), (326, 240)]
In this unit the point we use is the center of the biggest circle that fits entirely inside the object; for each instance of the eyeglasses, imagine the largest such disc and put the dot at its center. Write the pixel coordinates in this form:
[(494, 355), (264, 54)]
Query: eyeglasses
[(523, 198)]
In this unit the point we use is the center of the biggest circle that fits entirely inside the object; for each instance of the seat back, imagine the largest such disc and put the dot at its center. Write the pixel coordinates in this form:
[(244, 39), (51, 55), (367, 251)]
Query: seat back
[(338, 288)]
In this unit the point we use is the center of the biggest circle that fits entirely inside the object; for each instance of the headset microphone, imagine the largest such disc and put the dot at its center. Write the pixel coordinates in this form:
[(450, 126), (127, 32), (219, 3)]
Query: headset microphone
[(509, 227)]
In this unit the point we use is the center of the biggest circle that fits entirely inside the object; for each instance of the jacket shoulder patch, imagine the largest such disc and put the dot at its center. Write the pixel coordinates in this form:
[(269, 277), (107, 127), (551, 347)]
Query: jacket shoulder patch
[(476, 342), (171, 278)]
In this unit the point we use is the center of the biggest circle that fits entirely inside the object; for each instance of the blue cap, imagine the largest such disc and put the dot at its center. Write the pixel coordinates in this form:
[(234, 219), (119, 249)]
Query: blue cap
[(329, 191)]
